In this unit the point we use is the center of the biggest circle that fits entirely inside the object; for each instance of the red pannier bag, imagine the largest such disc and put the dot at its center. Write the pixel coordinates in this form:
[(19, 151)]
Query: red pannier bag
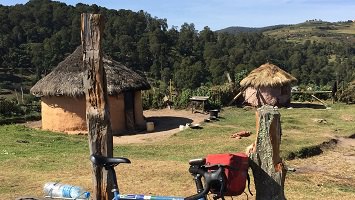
[(236, 172)]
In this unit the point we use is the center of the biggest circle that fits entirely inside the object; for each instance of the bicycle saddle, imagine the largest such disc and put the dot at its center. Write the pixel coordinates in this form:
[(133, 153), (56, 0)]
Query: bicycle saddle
[(197, 161), (108, 162)]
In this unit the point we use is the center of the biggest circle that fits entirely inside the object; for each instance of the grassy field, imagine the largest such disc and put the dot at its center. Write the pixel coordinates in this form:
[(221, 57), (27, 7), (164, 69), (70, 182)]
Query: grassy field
[(316, 31), (29, 158)]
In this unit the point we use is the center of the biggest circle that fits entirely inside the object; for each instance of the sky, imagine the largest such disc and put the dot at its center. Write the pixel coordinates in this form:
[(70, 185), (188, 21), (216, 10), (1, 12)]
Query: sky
[(219, 14)]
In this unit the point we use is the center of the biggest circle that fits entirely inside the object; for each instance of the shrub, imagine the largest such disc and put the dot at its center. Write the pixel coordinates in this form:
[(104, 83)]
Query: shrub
[(152, 99), (182, 100), (219, 96), (10, 108), (348, 95)]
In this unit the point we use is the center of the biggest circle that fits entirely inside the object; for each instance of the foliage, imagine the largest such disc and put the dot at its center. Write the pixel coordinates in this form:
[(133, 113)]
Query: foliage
[(36, 36), (220, 95), (348, 95), (11, 111), (153, 99), (311, 88), (239, 76), (10, 108), (183, 99)]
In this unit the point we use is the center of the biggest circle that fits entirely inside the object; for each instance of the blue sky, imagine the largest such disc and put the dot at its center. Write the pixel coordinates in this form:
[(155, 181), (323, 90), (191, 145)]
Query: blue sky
[(218, 14)]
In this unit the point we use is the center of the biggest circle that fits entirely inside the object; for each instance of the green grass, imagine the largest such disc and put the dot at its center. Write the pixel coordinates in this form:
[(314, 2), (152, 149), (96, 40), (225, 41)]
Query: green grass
[(19, 144), (29, 158)]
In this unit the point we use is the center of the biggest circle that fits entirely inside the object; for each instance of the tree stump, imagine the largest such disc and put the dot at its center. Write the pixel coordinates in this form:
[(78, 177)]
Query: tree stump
[(267, 166)]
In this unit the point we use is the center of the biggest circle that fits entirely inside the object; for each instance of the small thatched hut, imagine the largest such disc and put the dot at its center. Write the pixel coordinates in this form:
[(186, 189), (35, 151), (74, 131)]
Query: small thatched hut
[(269, 85), (63, 99)]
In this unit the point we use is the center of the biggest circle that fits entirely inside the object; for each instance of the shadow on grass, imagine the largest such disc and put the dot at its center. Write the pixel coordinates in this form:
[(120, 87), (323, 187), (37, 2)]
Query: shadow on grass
[(310, 151), (307, 105)]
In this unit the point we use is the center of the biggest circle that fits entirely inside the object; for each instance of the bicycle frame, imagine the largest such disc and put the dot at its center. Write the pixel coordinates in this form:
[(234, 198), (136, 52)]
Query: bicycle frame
[(144, 197), (197, 169), (118, 196)]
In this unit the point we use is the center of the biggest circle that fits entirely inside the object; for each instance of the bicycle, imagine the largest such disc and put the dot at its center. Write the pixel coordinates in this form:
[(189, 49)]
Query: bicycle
[(212, 179)]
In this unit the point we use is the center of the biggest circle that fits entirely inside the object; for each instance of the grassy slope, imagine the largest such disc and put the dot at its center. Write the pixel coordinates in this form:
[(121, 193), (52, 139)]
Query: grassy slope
[(316, 31), (29, 158)]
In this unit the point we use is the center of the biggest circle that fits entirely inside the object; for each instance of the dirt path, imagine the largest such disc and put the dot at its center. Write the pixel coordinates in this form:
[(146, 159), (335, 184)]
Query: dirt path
[(166, 123), (334, 165)]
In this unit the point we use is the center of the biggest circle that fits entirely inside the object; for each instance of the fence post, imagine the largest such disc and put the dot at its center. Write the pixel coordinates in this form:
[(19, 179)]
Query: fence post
[(267, 166), (97, 109)]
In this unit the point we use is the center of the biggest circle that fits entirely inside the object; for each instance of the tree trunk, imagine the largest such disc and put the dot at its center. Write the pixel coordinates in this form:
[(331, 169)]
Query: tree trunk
[(97, 108), (267, 166)]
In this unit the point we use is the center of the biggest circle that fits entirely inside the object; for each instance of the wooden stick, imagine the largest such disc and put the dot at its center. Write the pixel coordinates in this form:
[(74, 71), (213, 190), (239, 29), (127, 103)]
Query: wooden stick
[(97, 109), (319, 100), (236, 97)]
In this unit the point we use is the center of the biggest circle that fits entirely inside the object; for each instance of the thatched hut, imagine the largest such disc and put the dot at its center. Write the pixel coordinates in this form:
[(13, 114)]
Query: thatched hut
[(63, 99), (269, 85)]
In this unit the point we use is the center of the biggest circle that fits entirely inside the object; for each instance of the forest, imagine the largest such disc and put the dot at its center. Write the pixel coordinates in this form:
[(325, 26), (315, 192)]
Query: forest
[(36, 36)]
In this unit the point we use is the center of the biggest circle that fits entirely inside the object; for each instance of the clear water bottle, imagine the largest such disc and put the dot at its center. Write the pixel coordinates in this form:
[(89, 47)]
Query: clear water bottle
[(59, 190)]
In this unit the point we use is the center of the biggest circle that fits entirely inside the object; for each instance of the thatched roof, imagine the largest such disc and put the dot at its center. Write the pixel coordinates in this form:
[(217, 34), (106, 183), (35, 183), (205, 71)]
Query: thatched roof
[(267, 75), (66, 78)]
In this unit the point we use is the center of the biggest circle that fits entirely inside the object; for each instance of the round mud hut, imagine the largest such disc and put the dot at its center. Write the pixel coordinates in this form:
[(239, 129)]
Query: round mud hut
[(63, 101), (268, 85)]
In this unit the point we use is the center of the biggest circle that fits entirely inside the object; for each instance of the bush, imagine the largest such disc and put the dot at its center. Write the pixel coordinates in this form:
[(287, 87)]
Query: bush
[(182, 100), (10, 108), (219, 96), (348, 95), (310, 88), (152, 99)]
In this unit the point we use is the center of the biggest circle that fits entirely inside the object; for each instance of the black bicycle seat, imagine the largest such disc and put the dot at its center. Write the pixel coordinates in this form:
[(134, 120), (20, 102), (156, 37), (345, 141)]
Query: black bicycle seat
[(197, 161), (107, 161)]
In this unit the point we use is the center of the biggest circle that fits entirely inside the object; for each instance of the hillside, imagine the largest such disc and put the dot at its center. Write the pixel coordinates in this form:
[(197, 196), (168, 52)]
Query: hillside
[(241, 29), (338, 32), (320, 31)]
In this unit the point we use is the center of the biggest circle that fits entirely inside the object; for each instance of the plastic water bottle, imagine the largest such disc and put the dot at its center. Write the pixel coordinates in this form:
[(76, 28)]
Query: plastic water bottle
[(59, 190)]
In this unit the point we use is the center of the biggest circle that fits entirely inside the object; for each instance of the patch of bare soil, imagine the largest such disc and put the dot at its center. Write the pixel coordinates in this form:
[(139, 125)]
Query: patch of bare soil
[(34, 124), (166, 123), (336, 164)]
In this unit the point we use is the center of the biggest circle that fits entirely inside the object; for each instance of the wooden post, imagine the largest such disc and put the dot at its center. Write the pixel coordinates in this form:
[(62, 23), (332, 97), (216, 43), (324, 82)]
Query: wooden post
[(97, 108), (268, 169)]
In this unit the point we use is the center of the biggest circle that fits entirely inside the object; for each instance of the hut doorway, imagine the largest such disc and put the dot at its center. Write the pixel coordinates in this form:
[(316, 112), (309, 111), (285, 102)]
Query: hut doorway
[(129, 110)]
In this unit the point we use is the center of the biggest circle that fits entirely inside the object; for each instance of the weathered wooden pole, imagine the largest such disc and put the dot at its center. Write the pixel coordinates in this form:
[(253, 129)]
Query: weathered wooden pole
[(97, 108), (267, 166)]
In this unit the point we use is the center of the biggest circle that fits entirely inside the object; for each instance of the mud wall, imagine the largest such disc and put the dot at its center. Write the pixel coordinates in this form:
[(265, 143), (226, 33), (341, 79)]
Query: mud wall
[(275, 96), (63, 114), (67, 114)]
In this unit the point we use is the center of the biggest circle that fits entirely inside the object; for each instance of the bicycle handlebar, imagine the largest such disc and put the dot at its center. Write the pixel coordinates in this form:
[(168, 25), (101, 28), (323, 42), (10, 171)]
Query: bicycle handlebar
[(209, 178), (204, 174)]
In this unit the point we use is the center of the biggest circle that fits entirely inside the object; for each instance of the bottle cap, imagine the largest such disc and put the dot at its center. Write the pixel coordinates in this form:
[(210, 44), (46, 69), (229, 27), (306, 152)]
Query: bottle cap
[(87, 195)]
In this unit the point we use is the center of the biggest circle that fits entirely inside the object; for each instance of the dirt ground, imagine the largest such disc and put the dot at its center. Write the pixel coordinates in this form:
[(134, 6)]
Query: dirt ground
[(335, 165), (166, 123)]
